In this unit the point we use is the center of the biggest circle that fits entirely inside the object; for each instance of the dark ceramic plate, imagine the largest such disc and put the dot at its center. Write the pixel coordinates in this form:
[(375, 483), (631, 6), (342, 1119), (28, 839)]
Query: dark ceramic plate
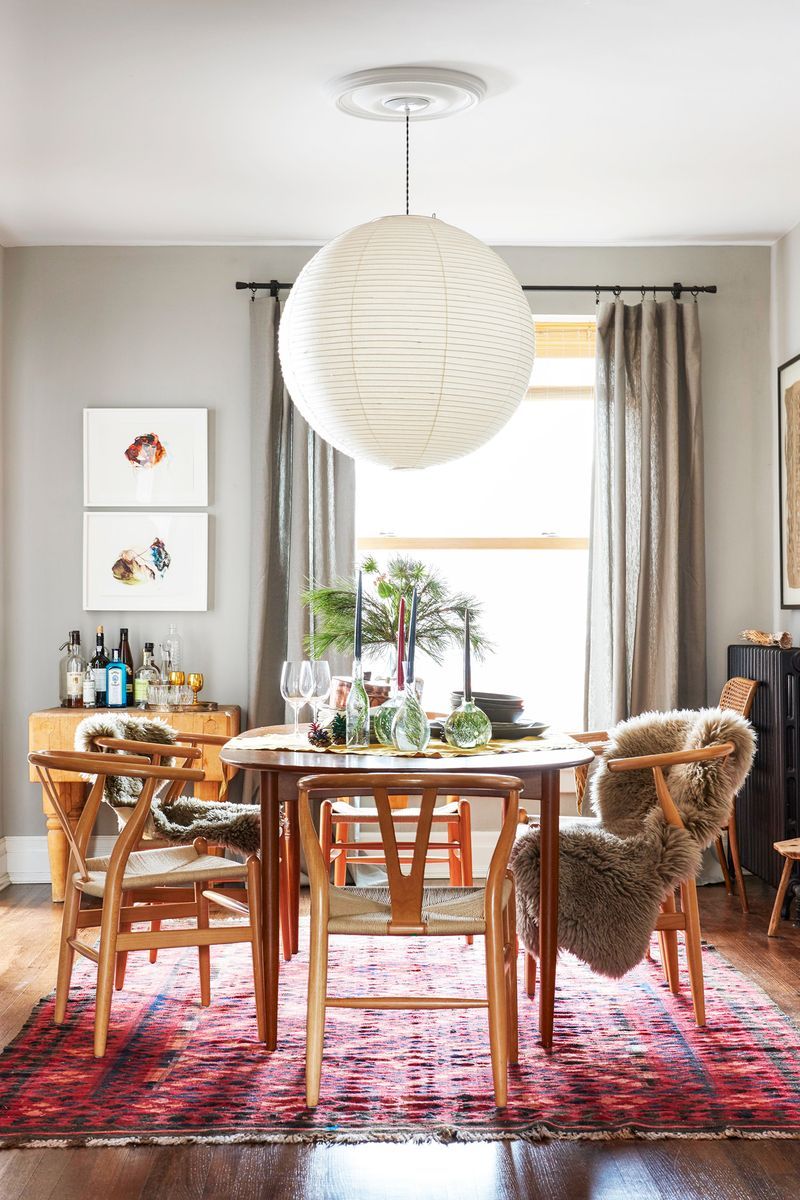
[(517, 729)]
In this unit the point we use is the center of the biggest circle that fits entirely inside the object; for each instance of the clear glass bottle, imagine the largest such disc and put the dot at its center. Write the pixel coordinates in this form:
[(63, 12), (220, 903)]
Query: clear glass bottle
[(76, 669), (62, 665), (147, 674), (172, 648), (89, 688), (357, 710), (411, 729), (116, 682)]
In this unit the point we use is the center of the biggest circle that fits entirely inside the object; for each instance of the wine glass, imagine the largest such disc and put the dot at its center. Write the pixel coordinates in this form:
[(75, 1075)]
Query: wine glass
[(321, 673), (297, 684), (195, 681)]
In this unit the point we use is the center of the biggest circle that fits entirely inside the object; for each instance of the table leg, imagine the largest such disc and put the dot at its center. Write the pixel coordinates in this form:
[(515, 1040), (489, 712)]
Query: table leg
[(294, 871), (270, 829), (548, 904), (72, 797)]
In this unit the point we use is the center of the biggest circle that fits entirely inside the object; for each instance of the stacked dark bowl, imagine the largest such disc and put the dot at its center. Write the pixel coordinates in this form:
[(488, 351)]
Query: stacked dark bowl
[(498, 706), (506, 712)]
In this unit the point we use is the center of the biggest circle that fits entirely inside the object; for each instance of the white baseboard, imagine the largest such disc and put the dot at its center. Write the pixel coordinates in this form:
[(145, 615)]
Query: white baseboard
[(5, 879), (24, 859)]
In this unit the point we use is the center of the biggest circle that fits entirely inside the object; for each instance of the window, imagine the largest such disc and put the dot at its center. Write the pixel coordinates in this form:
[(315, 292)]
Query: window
[(509, 523)]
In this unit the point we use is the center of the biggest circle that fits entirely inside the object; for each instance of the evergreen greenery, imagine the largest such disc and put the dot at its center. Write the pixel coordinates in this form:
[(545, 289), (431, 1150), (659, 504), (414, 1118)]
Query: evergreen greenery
[(440, 611)]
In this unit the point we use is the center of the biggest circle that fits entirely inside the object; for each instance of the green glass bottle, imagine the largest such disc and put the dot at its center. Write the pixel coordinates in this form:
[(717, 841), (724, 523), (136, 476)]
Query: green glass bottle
[(357, 710), (411, 729), (468, 726), (384, 718)]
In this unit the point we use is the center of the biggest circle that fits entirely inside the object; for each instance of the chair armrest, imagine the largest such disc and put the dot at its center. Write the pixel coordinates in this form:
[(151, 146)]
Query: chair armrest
[(672, 759), (600, 736), (203, 739), (161, 749)]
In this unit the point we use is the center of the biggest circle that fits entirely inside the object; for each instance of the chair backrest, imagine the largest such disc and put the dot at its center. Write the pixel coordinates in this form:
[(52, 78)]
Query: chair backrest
[(738, 694), (84, 764), (406, 890)]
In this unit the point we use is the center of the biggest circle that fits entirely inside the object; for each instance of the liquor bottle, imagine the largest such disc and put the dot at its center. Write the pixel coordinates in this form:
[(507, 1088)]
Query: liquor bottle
[(62, 665), (98, 664), (76, 669), (116, 682), (172, 648), (126, 657), (89, 688), (147, 674)]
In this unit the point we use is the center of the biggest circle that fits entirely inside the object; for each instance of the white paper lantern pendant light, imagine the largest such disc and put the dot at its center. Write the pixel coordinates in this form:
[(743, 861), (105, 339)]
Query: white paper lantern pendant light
[(406, 341)]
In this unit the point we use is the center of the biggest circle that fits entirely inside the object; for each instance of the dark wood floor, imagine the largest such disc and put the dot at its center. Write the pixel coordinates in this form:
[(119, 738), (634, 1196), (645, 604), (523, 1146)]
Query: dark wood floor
[(678, 1170)]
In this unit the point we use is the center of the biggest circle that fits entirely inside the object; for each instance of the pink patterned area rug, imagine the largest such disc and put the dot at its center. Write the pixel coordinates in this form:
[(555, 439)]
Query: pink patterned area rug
[(628, 1060)]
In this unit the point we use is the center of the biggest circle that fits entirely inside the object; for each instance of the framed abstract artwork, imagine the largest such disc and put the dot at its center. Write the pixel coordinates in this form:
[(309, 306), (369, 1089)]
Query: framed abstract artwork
[(145, 456), (789, 477), (145, 561)]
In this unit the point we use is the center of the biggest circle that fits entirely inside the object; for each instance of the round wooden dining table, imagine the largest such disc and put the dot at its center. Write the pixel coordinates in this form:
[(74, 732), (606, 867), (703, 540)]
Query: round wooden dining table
[(538, 770)]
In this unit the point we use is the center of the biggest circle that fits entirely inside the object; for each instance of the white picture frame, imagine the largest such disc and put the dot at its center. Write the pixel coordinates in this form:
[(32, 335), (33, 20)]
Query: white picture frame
[(123, 469), (125, 567)]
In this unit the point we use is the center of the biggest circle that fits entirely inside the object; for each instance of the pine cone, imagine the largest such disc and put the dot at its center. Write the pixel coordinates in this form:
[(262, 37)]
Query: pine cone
[(338, 729), (318, 736)]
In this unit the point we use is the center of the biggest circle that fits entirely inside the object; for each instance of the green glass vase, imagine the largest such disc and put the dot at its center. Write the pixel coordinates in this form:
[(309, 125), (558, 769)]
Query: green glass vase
[(411, 729), (383, 719), (467, 727)]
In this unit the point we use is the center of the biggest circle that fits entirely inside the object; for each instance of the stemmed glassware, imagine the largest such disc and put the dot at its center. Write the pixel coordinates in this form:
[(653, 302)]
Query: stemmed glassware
[(321, 673), (297, 687)]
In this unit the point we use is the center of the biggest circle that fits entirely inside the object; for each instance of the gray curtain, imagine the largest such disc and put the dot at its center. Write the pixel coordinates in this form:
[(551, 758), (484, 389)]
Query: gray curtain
[(647, 605), (302, 519)]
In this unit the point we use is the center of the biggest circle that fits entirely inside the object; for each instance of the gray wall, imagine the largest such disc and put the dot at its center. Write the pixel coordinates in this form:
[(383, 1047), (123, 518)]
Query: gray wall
[(85, 327)]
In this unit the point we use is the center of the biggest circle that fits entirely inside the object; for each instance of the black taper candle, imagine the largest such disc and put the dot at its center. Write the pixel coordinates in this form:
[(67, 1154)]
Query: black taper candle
[(357, 645), (412, 638), (467, 660)]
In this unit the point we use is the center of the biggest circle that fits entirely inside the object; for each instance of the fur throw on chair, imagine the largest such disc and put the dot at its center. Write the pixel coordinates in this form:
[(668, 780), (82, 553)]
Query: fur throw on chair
[(185, 818), (614, 877)]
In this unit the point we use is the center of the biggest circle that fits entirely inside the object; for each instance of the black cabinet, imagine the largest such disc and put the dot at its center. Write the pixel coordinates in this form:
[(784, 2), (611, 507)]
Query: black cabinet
[(767, 806)]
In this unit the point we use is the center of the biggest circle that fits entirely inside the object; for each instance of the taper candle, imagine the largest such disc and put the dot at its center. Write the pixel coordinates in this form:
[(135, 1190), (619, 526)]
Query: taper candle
[(467, 661), (357, 649), (401, 642), (412, 636)]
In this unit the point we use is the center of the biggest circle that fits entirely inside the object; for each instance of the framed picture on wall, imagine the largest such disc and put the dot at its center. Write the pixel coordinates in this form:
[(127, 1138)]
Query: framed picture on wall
[(789, 477), (145, 562), (145, 456)]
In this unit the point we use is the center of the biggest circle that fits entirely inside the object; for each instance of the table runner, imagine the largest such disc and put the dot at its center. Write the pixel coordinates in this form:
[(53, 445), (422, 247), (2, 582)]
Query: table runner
[(435, 749)]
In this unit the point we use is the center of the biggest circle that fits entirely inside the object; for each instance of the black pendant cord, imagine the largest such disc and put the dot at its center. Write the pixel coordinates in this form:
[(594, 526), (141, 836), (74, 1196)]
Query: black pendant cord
[(408, 123)]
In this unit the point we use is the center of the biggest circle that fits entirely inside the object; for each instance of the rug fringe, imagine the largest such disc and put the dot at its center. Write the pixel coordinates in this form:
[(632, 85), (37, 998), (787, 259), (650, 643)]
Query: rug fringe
[(440, 1136)]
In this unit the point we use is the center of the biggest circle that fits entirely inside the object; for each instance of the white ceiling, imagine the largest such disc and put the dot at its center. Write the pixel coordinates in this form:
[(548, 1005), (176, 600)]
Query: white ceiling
[(206, 121)]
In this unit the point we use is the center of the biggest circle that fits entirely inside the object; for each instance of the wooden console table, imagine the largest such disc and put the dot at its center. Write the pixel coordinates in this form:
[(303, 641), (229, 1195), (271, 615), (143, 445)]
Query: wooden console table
[(54, 729)]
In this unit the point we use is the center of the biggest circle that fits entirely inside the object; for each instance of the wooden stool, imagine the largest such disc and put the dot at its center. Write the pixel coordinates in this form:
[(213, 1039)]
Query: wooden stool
[(791, 852)]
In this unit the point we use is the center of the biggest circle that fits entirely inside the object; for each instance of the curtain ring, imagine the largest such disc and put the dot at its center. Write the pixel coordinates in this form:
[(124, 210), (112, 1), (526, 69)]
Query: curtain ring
[(642, 293), (252, 295), (597, 293), (617, 292), (695, 290), (655, 297)]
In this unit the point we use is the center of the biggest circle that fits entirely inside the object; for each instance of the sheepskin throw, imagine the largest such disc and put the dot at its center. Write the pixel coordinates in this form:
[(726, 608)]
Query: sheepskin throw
[(614, 877), (120, 792), (185, 818)]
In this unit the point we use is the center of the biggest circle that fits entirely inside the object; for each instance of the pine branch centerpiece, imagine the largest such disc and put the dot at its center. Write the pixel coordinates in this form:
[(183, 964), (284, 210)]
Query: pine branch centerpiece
[(440, 612)]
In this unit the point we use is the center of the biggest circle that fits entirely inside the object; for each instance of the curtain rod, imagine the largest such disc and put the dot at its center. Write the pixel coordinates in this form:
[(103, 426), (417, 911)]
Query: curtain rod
[(676, 289)]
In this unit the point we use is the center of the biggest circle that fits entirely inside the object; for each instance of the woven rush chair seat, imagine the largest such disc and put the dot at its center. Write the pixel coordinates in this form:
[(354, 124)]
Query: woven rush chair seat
[(343, 808), (445, 910), (167, 867)]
